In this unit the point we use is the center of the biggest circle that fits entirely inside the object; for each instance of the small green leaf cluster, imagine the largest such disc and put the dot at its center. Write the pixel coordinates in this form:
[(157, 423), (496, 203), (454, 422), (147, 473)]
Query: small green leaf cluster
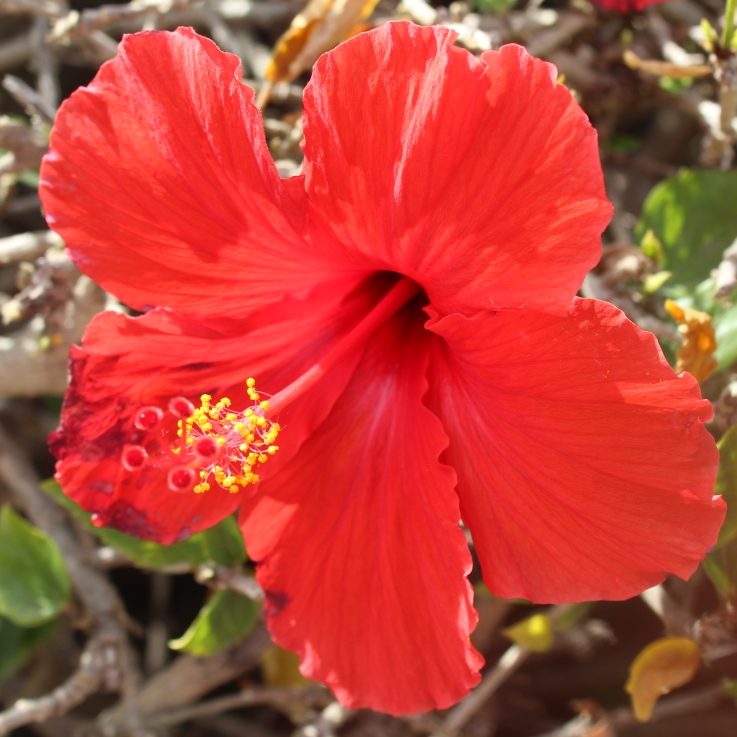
[(688, 221), (34, 588)]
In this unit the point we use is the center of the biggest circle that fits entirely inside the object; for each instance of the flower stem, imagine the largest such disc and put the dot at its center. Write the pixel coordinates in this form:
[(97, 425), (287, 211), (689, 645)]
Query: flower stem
[(398, 296), (728, 30)]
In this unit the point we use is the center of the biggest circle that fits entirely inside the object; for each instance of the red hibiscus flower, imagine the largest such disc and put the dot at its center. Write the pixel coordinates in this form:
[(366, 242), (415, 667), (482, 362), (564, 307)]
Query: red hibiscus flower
[(626, 6), (408, 305)]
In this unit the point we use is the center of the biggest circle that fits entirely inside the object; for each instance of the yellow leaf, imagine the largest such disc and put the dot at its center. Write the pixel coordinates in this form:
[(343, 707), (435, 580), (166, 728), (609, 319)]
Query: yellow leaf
[(534, 633), (696, 354), (662, 666), (281, 668), (322, 25)]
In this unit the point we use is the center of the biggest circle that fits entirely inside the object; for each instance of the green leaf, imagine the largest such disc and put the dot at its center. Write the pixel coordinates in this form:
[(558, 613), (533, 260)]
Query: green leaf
[(494, 6), (18, 643), (730, 688), (694, 216), (674, 86), (652, 247), (721, 563), (222, 544), (29, 178), (655, 281), (725, 325), (226, 619), (34, 584)]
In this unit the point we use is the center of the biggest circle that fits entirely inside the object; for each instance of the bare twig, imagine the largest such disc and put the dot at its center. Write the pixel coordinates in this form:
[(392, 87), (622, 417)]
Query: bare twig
[(220, 577), (77, 24), (678, 621), (331, 718), (45, 64), (98, 657), (249, 697), (39, 8), (187, 680), (15, 51), (560, 34), (33, 103), (667, 708), (27, 144), (508, 663), (726, 274), (27, 246)]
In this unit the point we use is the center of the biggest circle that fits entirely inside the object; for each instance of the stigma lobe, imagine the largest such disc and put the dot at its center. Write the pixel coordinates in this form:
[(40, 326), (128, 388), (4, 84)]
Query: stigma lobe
[(202, 446)]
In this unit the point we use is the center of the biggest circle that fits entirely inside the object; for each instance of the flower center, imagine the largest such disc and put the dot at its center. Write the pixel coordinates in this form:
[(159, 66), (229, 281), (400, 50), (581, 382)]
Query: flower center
[(212, 443)]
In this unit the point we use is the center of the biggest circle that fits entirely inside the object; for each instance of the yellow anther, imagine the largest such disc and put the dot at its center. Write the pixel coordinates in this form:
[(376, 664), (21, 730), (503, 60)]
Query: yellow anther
[(264, 405), (272, 449), (262, 458), (203, 474), (190, 440), (180, 433), (250, 383), (230, 417), (221, 441), (205, 399), (206, 426), (176, 451)]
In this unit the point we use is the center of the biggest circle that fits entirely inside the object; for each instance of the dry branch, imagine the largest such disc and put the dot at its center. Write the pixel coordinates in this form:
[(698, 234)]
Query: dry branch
[(187, 680), (508, 663), (97, 658), (249, 697), (220, 577), (101, 666), (33, 103), (27, 246), (39, 8)]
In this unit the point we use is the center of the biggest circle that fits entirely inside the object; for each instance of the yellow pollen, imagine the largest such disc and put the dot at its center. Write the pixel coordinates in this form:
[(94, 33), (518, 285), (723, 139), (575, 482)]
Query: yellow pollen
[(244, 440)]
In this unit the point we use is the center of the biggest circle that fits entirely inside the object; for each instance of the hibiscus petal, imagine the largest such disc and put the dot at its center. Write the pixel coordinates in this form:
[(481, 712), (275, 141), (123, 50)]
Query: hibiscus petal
[(478, 178), (129, 363), (584, 469), (359, 546), (161, 185)]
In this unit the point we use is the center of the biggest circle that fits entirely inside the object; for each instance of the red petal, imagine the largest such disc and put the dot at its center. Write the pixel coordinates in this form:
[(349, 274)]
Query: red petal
[(129, 363), (161, 185), (478, 178), (360, 549), (585, 471)]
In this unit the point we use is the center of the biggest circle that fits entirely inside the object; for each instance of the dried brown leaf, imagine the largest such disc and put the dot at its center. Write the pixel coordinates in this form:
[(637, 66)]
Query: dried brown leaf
[(665, 68), (319, 27), (662, 666), (696, 353)]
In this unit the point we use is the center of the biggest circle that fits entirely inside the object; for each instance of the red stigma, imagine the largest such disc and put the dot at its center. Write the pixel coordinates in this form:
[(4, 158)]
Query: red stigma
[(148, 418), (134, 456), (181, 478), (181, 407), (207, 449)]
